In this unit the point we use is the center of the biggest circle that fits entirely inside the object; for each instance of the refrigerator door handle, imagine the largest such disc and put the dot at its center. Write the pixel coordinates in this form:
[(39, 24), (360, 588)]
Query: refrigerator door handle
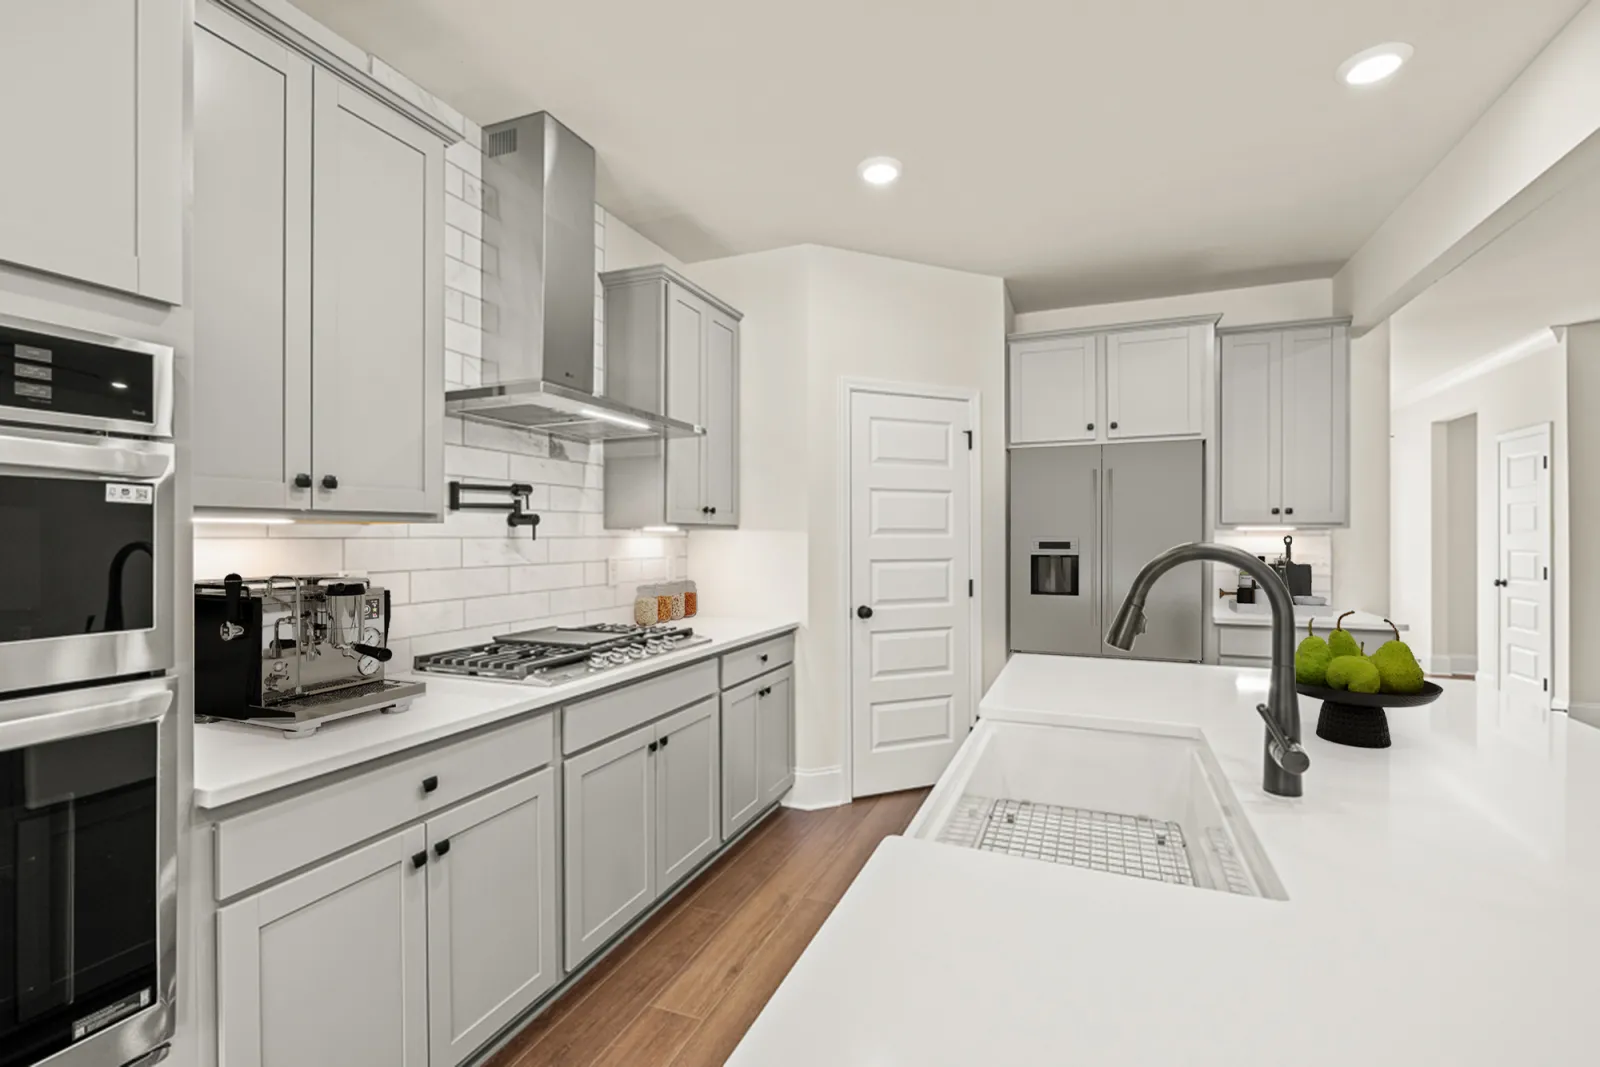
[(1094, 494), (1105, 555)]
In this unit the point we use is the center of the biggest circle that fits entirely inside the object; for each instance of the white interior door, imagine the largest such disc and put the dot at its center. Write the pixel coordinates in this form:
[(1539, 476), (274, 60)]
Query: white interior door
[(1526, 635), (910, 561)]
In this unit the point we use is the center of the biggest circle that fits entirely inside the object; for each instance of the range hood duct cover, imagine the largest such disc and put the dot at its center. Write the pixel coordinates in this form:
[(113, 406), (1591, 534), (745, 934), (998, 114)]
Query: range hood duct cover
[(539, 218)]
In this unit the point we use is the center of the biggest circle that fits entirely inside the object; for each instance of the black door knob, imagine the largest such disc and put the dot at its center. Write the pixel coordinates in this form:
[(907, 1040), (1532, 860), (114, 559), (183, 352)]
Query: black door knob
[(302, 481), (1500, 582), (863, 612), (329, 482)]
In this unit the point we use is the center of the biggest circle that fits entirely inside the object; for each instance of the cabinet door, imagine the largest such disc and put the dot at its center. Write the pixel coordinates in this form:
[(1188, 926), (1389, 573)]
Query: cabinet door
[(329, 968), (775, 730), (687, 792), (252, 266), (610, 822), (1249, 452), (492, 910), (720, 373), (1053, 394), (1154, 382), (687, 318), (741, 756), (1316, 404), (377, 302), (93, 183)]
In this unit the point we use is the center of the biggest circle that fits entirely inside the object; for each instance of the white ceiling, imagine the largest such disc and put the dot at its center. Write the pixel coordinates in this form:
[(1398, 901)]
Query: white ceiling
[(1086, 151), (1543, 272)]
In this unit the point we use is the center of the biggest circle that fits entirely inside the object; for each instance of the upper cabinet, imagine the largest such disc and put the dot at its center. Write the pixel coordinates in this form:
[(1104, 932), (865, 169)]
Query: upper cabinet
[(1284, 432), (1093, 387), (93, 189), (318, 273), (672, 347)]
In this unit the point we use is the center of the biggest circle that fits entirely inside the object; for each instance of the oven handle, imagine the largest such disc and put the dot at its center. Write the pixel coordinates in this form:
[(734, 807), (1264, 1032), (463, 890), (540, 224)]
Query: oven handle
[(37, 720), (140, 460)]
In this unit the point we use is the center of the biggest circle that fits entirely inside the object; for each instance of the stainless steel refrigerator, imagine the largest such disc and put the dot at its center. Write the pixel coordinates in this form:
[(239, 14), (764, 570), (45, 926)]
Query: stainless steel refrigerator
[(1084, 519)]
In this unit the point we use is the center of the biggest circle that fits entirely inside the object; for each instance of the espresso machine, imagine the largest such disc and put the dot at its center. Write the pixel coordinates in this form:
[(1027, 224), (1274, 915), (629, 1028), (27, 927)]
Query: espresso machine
[(291, 653)]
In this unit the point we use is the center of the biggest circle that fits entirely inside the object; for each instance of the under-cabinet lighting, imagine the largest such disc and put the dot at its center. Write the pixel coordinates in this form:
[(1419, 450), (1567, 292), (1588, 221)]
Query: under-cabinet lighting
[(620, 420), (659, 529), (1265, 529), (239, 520), (119, 385)]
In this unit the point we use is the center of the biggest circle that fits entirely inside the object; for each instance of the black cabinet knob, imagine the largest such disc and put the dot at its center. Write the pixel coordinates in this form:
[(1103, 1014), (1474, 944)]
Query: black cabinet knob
[(1275, 511), (863, 612), (664, 741), (713, 511), (1113, 426), (1288, 511), (329, 482), (430, 783), (705, 509), (652, 746), (442, 848), (1091, 426), (302, 481), (763, 657), (419, 859)]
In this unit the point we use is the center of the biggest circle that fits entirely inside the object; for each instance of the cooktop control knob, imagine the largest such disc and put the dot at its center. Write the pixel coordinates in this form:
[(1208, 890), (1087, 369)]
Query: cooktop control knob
[(636, 651), (598, 661)]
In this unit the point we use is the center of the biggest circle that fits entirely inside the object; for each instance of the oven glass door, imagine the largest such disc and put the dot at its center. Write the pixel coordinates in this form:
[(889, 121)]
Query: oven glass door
[(79, 869)]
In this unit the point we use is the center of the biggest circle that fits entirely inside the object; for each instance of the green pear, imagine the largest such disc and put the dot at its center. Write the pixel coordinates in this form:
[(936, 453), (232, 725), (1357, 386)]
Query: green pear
[(1398, 670), (1311, 659), (1355, 673), (1340, 643)]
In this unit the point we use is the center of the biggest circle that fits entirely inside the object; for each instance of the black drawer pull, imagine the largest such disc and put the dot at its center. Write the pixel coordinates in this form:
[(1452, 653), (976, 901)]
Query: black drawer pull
[(430, 783), (654, 745), (763, 657), (664, 741), (419, 859), (442, 848)]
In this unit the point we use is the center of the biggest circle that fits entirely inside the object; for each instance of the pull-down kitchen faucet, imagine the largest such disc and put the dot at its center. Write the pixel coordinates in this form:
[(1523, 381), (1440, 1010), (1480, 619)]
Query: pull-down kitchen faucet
[(1285, 761)]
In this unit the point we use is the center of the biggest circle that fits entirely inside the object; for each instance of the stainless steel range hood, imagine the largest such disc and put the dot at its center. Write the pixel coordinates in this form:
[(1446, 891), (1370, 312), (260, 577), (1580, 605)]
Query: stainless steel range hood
[(539, 216)]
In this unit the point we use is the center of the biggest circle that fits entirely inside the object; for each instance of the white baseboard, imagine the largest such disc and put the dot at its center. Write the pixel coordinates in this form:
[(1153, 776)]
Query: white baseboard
[(1589, 714), (819, 787)]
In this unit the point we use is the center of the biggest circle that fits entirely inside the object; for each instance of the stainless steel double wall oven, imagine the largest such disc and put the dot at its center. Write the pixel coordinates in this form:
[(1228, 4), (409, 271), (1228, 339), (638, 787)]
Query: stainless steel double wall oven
[(88, 737)]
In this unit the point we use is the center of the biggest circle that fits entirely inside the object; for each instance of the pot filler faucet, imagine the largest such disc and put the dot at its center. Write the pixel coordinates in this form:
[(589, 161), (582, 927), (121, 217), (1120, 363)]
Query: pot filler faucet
[(1285, 761)]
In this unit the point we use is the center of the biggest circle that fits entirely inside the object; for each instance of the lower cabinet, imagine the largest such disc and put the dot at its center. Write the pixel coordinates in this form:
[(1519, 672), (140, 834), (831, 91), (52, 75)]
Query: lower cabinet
[(688, 822), (329, 968), (492, 948), (445, 929), (757, 746)]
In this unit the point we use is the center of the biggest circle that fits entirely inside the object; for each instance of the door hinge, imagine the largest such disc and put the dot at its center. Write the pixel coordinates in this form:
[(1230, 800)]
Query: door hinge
[(1546, 462), (1547, 574), (969, 439), (969, 587), (1547, 685)]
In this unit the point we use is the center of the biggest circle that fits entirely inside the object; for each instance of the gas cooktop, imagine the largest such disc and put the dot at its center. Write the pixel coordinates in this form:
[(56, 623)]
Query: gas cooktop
[(560, 654)]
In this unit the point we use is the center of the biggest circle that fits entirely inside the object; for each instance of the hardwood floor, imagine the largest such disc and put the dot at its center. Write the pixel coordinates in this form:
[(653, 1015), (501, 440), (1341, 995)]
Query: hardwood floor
[(684, 988)]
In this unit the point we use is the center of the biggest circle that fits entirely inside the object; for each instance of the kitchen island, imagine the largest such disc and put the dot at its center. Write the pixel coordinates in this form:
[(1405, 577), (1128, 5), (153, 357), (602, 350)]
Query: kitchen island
[(1441, 907)]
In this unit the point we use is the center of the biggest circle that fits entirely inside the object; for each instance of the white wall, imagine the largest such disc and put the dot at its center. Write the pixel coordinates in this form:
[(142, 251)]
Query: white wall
[(1461, 541), (1583, 567), (1361, 560), (1252, 306), (1530, 391), (814, 316)]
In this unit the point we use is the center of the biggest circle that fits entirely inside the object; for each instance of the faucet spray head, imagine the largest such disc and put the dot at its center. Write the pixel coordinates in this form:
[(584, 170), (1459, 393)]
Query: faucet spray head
[(1128, 625)]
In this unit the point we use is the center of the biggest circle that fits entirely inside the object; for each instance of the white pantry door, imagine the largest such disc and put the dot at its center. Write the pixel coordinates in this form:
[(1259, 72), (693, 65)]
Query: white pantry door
[(1523, 585), (910, 561)]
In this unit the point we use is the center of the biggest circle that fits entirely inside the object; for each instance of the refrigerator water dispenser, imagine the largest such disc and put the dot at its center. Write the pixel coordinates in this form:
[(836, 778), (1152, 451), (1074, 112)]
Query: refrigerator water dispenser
[(1054, 568)]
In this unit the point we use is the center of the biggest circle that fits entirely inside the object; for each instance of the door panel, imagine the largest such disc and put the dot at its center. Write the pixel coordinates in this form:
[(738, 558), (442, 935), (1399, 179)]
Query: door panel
[(329, 968), (492, 907), (1314, 426), (741, 789), (1154, 498), (1152, 383), (252, 260), (720, 446), (378, 340), (1055, 497), (1249, 471), (1526, 630), (775, 714), (687, 794), (686, 397), (910, 499), (610, 822), (1053, 395)]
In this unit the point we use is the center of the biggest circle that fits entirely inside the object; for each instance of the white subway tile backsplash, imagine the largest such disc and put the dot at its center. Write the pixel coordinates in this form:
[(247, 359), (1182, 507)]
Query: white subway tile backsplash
[(467, 156), (503, 551), (547, 576), (402, 554), (546, 471), (472, 250), (452, 178), (585, 599), (456, 584), (410, 620), (452, 306), (568, 498), (463, 216), (454, 243), (267, 556), (487, 611), (477, 463), (460, 337), (397, 582), (462, 278)]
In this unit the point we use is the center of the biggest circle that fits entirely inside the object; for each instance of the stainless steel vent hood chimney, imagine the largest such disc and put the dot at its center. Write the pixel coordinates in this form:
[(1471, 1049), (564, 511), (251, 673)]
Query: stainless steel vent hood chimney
[(540, 219)]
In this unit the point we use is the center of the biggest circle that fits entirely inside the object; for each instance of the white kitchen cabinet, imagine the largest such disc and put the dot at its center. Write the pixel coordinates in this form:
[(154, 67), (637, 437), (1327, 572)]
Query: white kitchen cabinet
[(319, 274), (329, 968), (1138, 383), (610, 840), (1053, 392), (1283, 436), (775, 735), (1155, 382), (252, 190), (688, 776), (672, 347), (94, 180), (492, 908)]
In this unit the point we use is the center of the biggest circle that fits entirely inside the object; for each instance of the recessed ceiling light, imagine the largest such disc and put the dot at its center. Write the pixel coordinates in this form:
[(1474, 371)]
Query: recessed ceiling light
[(1375, 64), (879, 170)]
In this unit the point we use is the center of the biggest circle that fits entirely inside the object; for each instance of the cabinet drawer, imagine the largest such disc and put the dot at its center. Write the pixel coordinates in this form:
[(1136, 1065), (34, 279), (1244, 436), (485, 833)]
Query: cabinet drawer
[(263, 844), (588, 722), (1247, 641), (746, 663)]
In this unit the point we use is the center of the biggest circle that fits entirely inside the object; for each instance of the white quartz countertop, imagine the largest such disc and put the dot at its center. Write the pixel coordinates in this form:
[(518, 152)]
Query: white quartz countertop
[(233, 762), (1444, 908), (1226, 614)]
